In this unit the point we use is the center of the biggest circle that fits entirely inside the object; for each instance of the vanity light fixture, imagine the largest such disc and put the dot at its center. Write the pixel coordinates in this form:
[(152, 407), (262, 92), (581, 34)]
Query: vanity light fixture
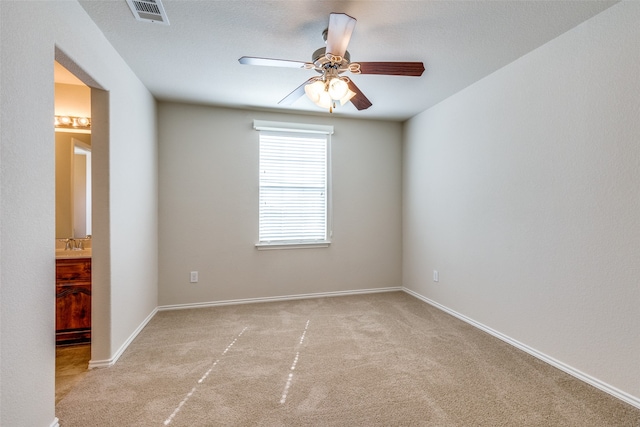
[(72, 122)]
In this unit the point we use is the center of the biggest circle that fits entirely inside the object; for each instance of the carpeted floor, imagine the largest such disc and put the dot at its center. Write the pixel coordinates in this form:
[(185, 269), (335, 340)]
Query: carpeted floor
[(372, 360)]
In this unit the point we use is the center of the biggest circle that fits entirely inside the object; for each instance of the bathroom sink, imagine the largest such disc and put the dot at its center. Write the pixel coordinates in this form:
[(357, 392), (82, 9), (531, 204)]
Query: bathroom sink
[(83, 253)]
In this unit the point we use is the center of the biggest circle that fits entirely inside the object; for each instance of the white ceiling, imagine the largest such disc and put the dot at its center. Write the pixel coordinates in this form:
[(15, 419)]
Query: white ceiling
[(195, 58)]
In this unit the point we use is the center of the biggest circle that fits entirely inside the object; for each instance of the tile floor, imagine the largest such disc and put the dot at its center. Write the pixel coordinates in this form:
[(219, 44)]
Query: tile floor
[(71, 366)]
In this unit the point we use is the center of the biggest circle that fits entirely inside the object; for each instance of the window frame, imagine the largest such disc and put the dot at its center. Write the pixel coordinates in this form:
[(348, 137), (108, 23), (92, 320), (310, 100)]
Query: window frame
[(284, 127)]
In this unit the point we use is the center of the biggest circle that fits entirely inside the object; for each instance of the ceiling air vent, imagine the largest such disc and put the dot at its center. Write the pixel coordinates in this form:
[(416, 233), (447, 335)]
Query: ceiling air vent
[(148, 11)]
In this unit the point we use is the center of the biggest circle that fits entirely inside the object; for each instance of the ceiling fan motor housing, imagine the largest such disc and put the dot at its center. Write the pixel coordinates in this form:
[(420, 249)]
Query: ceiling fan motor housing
[(323, 61)]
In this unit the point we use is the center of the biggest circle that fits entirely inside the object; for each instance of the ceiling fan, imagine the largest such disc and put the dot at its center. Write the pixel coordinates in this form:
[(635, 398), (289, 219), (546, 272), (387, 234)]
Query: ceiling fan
[(331, 62)]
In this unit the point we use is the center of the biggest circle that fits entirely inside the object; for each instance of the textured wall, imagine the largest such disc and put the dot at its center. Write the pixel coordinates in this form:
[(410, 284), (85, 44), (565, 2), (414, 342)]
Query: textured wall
[(209, 209), (524, 192), (124, 158)]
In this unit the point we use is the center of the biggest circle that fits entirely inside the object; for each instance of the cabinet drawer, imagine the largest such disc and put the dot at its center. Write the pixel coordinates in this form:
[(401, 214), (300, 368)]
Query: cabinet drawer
[(77, 269)]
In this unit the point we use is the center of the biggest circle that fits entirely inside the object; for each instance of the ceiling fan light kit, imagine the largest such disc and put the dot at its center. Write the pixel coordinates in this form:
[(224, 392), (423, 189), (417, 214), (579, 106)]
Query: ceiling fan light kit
[(326, 90), (331, 62)]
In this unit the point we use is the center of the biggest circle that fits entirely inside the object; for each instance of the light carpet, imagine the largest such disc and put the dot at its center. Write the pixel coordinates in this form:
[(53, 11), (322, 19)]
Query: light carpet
[(384, 359)]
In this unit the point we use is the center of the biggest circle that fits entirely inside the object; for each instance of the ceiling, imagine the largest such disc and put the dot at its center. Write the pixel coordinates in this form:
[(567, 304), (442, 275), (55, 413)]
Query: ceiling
[(195, 58)]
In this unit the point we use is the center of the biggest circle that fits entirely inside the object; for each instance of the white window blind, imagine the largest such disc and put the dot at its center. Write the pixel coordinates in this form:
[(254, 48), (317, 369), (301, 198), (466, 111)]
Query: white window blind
[(294, 185)]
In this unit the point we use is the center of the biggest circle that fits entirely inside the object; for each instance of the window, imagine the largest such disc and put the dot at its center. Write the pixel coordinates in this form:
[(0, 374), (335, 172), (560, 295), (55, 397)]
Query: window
[(293, 185)]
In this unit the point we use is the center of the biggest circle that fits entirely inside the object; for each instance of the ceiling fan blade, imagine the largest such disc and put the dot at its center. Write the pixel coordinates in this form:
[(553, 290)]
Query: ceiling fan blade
[(359, 100), (296, 94), (392, 68), (252, 60), (339, 33)]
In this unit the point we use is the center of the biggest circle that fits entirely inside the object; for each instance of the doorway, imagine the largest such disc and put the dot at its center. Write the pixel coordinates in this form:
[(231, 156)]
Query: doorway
[(83, 105), (73, 266)]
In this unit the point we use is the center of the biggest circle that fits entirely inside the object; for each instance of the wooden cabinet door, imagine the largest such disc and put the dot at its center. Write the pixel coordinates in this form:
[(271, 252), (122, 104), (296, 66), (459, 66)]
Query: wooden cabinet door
[(73, 307), (73, 300)]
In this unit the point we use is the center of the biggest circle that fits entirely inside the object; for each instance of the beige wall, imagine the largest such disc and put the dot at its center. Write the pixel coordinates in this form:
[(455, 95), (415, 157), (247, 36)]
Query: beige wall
[(209, 209), (523, 191), (125, 158), (72, 100)]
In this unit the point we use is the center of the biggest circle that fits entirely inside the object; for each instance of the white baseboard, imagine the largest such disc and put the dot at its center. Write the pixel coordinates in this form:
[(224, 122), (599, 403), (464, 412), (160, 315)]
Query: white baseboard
[(625, 397), (55, 423), (279, 298), (109, 362)]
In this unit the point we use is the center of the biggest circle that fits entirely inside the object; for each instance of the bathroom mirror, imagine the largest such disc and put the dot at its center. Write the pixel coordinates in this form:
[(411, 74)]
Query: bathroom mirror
[(73, 185)]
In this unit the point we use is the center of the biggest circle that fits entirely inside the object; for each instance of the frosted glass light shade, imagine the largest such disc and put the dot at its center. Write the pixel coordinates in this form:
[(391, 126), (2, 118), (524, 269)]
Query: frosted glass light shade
[(325, 100), (350, 94), (338, 88), (313, 90)]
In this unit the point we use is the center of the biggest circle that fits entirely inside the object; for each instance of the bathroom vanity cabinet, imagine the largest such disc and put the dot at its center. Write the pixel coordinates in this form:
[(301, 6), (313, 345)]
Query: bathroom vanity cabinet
[(73, 301)]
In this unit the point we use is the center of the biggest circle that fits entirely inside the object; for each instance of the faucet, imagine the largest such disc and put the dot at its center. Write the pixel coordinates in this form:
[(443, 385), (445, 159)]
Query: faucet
[(73, 244)]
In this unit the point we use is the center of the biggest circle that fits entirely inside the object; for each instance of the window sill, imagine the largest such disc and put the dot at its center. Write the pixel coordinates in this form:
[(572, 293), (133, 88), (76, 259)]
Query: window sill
[(292, 245)]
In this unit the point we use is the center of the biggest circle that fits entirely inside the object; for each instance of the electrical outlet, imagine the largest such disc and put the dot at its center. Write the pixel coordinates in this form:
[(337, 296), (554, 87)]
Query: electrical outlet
[(194, 277), (436, 276)]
